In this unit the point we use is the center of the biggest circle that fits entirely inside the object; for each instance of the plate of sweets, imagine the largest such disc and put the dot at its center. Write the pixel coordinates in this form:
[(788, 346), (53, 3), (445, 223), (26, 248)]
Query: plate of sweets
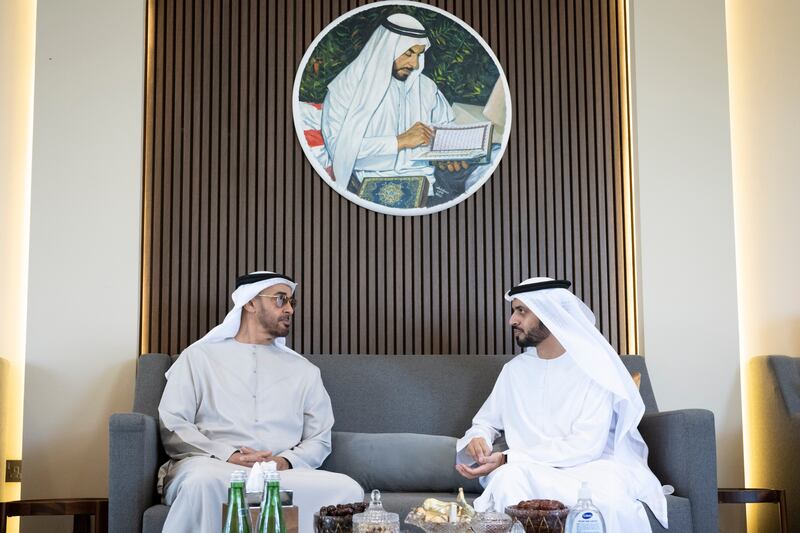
[(540, 516), (437, 516)]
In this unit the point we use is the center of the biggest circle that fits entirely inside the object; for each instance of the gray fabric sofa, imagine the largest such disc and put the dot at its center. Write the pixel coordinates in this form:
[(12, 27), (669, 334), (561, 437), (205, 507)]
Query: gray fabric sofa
[(397, 419), (774, 403)]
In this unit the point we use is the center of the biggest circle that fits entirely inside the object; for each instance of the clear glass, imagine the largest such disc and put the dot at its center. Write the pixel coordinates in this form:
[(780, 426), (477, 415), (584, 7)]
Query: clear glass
[(375, 519), (490, 521)]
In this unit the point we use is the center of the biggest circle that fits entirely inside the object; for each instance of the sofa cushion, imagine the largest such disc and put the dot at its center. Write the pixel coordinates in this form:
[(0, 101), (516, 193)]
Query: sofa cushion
[(679, 515), (154, 518), (787, 375), (398, 462)]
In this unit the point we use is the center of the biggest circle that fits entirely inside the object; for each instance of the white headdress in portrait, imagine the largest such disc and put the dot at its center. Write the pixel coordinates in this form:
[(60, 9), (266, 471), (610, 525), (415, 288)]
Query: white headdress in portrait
[(362, 85)]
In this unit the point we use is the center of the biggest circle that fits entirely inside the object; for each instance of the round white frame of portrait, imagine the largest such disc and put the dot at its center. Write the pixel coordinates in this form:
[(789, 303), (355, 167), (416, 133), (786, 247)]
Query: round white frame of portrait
[(320, 170)]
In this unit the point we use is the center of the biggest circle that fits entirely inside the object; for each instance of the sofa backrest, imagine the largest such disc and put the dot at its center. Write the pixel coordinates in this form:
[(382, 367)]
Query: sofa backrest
[(786, 371), (431, 394), (636, 363), (150, 382)]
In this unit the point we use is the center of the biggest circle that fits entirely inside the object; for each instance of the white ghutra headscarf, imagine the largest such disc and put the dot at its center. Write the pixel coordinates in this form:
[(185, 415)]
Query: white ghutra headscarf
[(362, 85), (247, 287), (573, 325)]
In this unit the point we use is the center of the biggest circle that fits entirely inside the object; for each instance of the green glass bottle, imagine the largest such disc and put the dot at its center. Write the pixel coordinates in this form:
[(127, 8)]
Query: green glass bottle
[(271, 518), (237, 519)]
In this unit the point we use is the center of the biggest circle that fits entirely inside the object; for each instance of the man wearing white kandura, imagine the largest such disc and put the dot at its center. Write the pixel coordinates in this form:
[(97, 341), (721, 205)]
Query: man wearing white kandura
[(240, 396)]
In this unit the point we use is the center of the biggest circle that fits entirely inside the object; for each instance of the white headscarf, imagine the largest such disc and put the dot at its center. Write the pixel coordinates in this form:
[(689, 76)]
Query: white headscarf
[(573, 325), (243, 294), (364, 82)]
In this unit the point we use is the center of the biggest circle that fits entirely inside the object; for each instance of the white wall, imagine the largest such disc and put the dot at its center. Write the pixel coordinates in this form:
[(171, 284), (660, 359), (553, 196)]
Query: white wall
[(17, 29), (83, 298), (687, 264), (763, 48)]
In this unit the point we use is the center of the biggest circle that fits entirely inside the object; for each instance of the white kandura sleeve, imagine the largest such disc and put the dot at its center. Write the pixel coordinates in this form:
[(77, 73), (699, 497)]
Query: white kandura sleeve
[(334, 111), (176, 413), (376, 147), (315, 444), (486, 424)]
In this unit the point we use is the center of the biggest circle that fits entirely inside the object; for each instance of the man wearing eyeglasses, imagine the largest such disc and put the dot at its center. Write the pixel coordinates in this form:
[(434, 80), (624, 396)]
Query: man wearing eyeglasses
[(240, 396)]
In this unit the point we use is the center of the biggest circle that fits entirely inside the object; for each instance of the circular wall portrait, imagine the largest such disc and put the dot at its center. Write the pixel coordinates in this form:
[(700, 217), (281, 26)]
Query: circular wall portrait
[(402, 108)]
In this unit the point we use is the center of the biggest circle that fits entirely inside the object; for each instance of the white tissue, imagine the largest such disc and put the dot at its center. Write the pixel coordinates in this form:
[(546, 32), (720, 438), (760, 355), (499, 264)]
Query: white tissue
[(255, 483)]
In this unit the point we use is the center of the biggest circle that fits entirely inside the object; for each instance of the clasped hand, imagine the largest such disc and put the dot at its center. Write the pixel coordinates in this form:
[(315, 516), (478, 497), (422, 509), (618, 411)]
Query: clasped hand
[(487, 461), (248, 457)]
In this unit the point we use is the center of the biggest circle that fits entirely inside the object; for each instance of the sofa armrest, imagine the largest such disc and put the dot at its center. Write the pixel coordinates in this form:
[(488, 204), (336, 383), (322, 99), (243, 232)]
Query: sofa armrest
[(133, 463), (683, 454)]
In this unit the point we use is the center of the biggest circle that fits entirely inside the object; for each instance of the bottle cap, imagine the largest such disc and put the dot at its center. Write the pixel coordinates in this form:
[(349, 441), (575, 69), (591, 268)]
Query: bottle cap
[(270, 469), (238, 476), (584, 493)]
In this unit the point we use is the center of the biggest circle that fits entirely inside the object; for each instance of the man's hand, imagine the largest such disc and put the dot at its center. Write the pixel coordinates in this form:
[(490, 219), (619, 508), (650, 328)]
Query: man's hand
[(453, 166), (282, 463), (248, 457), (478, 449), (417, 135), (486, 465)]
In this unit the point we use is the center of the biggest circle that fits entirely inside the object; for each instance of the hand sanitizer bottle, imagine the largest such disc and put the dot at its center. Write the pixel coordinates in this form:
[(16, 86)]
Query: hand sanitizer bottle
[(585, 517)]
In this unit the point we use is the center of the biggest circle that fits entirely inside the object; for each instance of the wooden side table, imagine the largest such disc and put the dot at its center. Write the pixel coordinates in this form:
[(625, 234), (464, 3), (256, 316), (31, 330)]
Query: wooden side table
[(82, 510), (756, 496)]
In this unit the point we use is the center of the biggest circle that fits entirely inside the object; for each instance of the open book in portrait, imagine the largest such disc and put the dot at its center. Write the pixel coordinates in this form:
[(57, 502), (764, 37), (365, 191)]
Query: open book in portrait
[(460, 142)]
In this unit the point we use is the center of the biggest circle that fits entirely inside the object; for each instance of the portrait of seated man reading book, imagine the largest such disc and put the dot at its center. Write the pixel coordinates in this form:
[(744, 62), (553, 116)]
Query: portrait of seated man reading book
[(386, 132)]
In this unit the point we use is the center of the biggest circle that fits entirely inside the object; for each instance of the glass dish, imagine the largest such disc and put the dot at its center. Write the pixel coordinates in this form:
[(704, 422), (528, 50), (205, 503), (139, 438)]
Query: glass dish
[(491, 522), (540, 520), (437, 527), (375, 519)]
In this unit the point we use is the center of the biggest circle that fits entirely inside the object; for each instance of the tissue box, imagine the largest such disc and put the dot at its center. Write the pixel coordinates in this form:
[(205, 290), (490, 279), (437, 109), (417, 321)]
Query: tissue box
[(254, 498)]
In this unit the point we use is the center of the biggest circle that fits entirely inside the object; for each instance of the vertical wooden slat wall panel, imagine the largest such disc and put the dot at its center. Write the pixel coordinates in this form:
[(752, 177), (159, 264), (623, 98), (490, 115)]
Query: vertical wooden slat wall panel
[(228, 189)]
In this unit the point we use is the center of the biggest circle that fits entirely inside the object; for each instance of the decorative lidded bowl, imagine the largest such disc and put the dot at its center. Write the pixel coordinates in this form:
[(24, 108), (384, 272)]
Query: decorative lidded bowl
[(375, 519)]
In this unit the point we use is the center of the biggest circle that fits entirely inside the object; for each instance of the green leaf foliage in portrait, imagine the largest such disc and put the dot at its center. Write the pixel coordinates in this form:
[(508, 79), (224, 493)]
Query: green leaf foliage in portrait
[(456, 61)]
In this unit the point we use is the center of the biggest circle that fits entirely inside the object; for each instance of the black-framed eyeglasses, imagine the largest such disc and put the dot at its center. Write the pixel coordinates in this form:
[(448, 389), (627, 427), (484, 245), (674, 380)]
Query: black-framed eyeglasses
[(281, 299)]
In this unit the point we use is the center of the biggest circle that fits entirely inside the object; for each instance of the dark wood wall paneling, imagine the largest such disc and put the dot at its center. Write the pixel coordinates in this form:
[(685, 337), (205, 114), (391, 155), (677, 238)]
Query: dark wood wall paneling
[(228, 189)]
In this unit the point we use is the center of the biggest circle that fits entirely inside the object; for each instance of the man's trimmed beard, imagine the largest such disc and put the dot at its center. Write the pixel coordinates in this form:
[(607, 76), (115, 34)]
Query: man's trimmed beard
[(534, 337), (276, 328), (402, 77)]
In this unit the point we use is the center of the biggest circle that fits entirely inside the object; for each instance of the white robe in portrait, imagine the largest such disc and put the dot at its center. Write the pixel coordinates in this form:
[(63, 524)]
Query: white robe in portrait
[(221, 396), (558, 425), (397, 112), (366, 108)]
